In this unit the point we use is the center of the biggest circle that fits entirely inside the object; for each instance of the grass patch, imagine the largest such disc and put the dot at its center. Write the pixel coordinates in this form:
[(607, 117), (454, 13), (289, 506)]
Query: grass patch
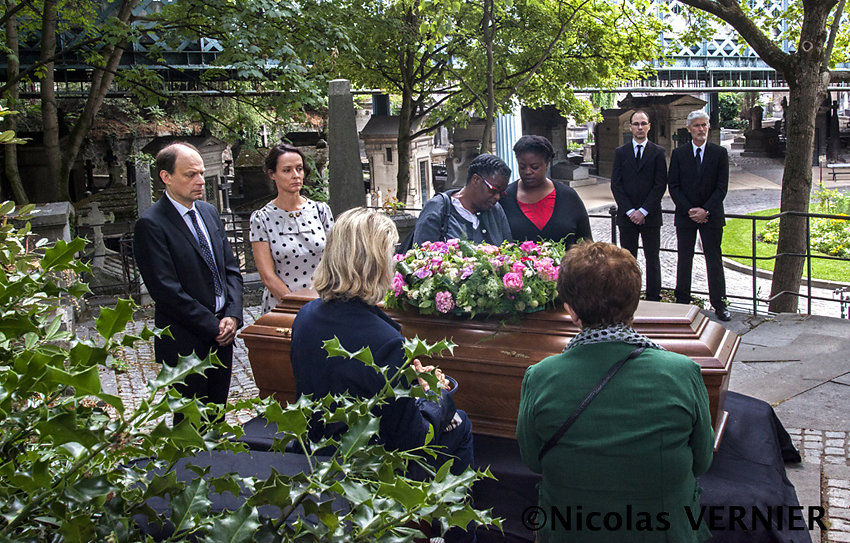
[(737, 240)]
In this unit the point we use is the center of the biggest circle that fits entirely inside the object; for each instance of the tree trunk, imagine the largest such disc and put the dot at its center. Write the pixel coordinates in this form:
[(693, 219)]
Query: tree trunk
[(101, 80), (14, 66), (405, 125), (56, 189), (489, 118), (807, 91)]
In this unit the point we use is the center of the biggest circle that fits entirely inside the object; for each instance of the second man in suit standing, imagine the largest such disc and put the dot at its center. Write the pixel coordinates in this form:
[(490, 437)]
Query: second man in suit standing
[(638, 181), (699, 179)]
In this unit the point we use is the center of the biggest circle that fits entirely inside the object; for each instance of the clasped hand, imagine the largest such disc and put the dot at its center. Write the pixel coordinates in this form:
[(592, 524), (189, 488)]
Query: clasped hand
[(438, 373), (226, 331)]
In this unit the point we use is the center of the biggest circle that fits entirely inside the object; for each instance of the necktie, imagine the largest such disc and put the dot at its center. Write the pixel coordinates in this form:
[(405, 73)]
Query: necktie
[(206, 252), (698, 158), (637, 156)]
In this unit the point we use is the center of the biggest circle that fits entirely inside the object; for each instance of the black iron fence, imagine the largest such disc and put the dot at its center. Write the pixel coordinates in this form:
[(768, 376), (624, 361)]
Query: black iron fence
[(839, 291), (237, 226)]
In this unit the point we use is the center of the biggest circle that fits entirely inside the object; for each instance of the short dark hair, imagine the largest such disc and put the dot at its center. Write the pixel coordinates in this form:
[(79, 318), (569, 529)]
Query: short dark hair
[(635, 112), (275, 152), (535, 144), (601, 282), (486, 165), (166, 158)]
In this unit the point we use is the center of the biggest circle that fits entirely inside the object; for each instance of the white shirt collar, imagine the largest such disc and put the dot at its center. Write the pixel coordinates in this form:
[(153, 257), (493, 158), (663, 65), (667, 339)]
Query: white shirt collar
[(694, 148), (643, 144), (180, 207)]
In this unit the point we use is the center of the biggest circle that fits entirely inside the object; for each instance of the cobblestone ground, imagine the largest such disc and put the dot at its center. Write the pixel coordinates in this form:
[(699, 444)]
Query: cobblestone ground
[(829, 448)]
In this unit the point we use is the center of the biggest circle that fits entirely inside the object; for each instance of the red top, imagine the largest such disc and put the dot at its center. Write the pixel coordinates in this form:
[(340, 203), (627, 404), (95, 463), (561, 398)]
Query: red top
[(539, 212)]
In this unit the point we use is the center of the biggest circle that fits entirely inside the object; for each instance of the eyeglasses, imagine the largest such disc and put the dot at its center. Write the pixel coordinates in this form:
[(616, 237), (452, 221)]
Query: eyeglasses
[(641, 123), (493, 189)]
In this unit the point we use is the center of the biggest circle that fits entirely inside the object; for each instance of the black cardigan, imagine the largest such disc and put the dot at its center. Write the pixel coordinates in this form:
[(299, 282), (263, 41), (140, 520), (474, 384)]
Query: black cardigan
[(568, 217)]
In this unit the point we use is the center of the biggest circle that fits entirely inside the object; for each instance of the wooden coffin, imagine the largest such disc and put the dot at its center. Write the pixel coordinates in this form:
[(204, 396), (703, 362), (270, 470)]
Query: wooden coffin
[(491, 356)]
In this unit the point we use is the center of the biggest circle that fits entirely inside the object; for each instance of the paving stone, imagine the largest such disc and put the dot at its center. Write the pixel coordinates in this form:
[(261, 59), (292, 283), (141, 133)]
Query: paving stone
[(834, 536)]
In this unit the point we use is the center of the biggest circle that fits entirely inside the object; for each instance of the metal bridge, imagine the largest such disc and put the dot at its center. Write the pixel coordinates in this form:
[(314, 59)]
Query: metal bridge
[(723, 63)]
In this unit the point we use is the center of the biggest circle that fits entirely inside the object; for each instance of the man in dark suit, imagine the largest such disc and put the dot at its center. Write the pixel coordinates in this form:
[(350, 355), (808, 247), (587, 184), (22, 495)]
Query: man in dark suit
[(698, 181), (190, 272), (638, 182)]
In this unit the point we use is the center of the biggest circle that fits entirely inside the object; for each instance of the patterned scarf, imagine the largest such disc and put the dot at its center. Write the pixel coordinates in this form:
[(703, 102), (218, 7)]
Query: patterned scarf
[(609, 334)]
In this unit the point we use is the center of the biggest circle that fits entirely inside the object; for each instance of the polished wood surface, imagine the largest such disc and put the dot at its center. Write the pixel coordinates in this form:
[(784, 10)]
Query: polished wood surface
[(492, 355)]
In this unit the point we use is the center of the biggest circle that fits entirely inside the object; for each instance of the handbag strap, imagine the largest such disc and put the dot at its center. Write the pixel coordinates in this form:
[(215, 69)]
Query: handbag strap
[(586, 401), (444, 216)]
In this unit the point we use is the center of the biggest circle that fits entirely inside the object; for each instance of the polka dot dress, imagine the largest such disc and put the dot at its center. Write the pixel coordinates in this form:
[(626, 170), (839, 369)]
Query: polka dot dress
[(296, 239)]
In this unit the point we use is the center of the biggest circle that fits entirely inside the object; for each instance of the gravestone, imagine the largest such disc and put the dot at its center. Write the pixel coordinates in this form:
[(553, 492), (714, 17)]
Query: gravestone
[(345, 181)]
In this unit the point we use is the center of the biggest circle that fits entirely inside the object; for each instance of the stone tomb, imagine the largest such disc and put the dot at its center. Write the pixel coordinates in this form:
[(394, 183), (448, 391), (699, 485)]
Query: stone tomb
[(491, 356)]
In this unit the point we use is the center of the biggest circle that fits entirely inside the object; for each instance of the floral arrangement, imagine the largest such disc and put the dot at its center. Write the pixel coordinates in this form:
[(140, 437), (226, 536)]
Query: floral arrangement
[(467, 278)]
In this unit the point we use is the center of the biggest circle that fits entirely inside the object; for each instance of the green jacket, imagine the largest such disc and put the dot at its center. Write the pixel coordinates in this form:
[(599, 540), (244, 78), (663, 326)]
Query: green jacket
[(626, 470)]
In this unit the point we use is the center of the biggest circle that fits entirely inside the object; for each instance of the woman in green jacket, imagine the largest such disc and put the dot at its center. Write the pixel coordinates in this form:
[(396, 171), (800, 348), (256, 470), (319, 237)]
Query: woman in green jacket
[(626, 470)]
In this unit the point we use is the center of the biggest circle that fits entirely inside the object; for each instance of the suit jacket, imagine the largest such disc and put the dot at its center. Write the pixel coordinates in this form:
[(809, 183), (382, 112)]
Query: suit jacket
[(179, 281), (706, 190), (639, 445), (356, 325), (639, 185)]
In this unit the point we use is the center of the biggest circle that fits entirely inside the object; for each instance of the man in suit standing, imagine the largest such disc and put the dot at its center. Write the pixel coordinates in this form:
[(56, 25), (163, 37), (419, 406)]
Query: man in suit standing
[(638, 182), (698, 181), (190, 272)]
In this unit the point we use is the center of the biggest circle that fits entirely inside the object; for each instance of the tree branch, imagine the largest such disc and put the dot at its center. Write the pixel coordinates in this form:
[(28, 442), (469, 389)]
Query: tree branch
[(13, 11), (731, 12), (833, 31)]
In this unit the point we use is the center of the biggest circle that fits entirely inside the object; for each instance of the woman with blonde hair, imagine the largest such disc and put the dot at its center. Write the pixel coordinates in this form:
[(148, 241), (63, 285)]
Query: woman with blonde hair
[(353, 276), (628, 458)]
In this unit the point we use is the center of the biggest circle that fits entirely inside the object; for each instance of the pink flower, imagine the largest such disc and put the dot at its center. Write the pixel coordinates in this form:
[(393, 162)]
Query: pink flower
[(445, 301), (512, 281), (398, 284), (528, 246), (518, 267), (399, 258), (466, 272), (488, 249), (422, 273), (438, 247), (453, 243)]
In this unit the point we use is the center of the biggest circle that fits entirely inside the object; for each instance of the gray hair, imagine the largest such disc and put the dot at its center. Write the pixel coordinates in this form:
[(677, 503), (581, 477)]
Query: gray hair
[(697, 114)]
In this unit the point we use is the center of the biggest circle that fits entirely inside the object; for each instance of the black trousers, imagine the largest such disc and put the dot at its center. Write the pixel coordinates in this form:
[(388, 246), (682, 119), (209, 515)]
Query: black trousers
[(711, 237), (214, 384), (650, 237)]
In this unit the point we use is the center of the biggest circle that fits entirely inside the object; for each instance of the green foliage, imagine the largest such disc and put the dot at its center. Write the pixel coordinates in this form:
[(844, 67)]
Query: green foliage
[(829, 236), (737, 242), (602, 100), (69, 450), (730, 109)]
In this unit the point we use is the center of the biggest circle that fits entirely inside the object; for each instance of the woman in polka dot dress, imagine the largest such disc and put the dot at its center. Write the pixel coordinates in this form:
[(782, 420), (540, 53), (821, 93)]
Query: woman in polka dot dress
[(288, 234)]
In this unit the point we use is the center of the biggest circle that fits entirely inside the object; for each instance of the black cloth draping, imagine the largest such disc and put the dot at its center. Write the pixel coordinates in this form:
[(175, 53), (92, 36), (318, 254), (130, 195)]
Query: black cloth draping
[(748, 470)]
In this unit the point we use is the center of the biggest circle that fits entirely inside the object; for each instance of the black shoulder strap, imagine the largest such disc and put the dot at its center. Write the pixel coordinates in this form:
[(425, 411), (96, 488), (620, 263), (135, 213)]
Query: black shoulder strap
[(444, 217), (586, 401)]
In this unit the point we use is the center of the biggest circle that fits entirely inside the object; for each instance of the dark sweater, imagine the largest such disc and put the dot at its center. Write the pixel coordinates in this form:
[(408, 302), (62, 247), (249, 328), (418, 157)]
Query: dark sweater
[(568, 217)]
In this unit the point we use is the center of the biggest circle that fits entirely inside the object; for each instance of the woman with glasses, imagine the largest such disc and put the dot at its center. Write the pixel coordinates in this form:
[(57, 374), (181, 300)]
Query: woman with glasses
[(539, 208), (288, 234), (471, 213)]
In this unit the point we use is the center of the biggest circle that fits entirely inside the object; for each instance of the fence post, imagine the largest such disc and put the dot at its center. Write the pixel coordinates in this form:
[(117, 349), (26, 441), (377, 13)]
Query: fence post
[(754, 272)]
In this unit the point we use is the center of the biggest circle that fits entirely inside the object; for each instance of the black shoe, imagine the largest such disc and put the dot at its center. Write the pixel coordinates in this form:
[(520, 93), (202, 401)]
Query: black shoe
[(723, 314)]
